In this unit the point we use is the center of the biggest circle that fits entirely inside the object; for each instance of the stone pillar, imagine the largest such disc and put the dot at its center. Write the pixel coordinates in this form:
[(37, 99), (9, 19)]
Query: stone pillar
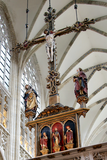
[(14, 127)]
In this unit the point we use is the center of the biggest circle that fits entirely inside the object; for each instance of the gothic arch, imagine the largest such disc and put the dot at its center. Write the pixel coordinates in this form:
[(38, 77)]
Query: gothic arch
[(4, 9)]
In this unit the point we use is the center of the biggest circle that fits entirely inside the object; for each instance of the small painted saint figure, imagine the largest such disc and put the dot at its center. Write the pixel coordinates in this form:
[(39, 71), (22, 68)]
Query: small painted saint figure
[(68, 138), (56, 137), (80, 83), (44, 141), (69, 135), (30, 98)]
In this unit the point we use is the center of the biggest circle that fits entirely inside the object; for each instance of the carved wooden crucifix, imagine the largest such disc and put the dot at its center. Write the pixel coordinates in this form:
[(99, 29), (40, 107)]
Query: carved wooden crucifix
[(53, 77)]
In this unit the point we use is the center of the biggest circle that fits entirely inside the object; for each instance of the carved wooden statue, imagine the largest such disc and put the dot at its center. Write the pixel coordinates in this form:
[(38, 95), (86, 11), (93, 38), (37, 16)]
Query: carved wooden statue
[(30, 98), (44, 141), (69, 135), (50, 44), (81, 89), (44, 144), (80, 83), (56, 140), (68, 138)]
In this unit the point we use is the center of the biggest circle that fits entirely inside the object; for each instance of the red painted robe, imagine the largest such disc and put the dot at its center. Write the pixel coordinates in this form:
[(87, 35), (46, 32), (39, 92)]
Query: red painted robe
[(43, 142), (69, 135), (84, 80)]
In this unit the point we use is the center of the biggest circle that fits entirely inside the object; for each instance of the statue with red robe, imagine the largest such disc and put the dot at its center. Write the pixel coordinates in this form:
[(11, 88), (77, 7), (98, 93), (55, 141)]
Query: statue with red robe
[(69, 135), (44, 141), (80, 83)]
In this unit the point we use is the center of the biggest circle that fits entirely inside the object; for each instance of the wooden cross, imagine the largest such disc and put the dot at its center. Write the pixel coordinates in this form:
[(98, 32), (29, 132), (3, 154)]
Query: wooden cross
[(53, 77)]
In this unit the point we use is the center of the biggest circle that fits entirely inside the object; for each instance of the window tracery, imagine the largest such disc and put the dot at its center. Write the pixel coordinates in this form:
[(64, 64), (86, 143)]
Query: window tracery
[(5, 45), (30, 77)]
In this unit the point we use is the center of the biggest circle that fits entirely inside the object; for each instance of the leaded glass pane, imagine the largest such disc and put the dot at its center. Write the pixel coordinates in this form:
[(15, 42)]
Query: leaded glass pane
[(1, 66), (5, 57), (1, 74), (29, 77), (6, 80)]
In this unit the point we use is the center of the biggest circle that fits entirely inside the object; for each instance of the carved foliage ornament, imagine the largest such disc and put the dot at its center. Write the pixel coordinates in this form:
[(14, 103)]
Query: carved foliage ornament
[(53, 81), (99, 156)]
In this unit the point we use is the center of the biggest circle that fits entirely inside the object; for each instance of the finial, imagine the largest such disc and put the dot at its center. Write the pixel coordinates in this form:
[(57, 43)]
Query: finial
[(50, 17)]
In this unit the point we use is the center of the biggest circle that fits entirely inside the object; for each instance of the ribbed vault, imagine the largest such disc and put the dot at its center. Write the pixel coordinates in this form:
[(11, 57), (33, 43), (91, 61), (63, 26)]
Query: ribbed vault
[(87, 49)]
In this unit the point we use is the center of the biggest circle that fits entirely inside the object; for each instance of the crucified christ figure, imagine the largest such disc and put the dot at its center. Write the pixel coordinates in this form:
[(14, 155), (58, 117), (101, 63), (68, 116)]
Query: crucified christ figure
[(50, 44)]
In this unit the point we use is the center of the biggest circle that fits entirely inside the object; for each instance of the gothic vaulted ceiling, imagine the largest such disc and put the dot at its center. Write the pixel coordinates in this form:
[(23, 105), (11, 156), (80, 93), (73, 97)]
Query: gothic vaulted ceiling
[(87, 49)]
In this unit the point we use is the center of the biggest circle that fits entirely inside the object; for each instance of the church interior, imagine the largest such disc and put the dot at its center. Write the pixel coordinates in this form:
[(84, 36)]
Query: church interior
[(79, 30)]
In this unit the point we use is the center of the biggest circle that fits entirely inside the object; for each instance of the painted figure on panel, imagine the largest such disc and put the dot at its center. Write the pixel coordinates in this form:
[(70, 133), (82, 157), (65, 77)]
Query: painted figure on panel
[(44, 141), (69, 135), (50, 44), (30, 98), (56, 137), (80, 83)]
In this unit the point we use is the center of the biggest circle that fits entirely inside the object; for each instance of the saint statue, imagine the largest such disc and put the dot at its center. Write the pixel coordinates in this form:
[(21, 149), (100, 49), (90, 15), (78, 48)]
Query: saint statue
[(50, 44), (30, 98), (44, 141), (80, 83), (69, 135), (56, 137)]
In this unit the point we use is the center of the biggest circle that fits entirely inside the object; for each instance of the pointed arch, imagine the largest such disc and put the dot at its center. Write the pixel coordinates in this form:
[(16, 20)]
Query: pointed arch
[(93, 121), (4, 8), (96, 131), (80, 59)]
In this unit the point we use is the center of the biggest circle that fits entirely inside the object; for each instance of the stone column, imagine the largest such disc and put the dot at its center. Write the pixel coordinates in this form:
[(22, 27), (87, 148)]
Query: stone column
[(14, 127), (12, 112)]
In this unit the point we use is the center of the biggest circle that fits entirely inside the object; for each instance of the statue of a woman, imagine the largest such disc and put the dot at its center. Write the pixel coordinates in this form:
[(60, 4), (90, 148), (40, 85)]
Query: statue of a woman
[(44, 141)]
